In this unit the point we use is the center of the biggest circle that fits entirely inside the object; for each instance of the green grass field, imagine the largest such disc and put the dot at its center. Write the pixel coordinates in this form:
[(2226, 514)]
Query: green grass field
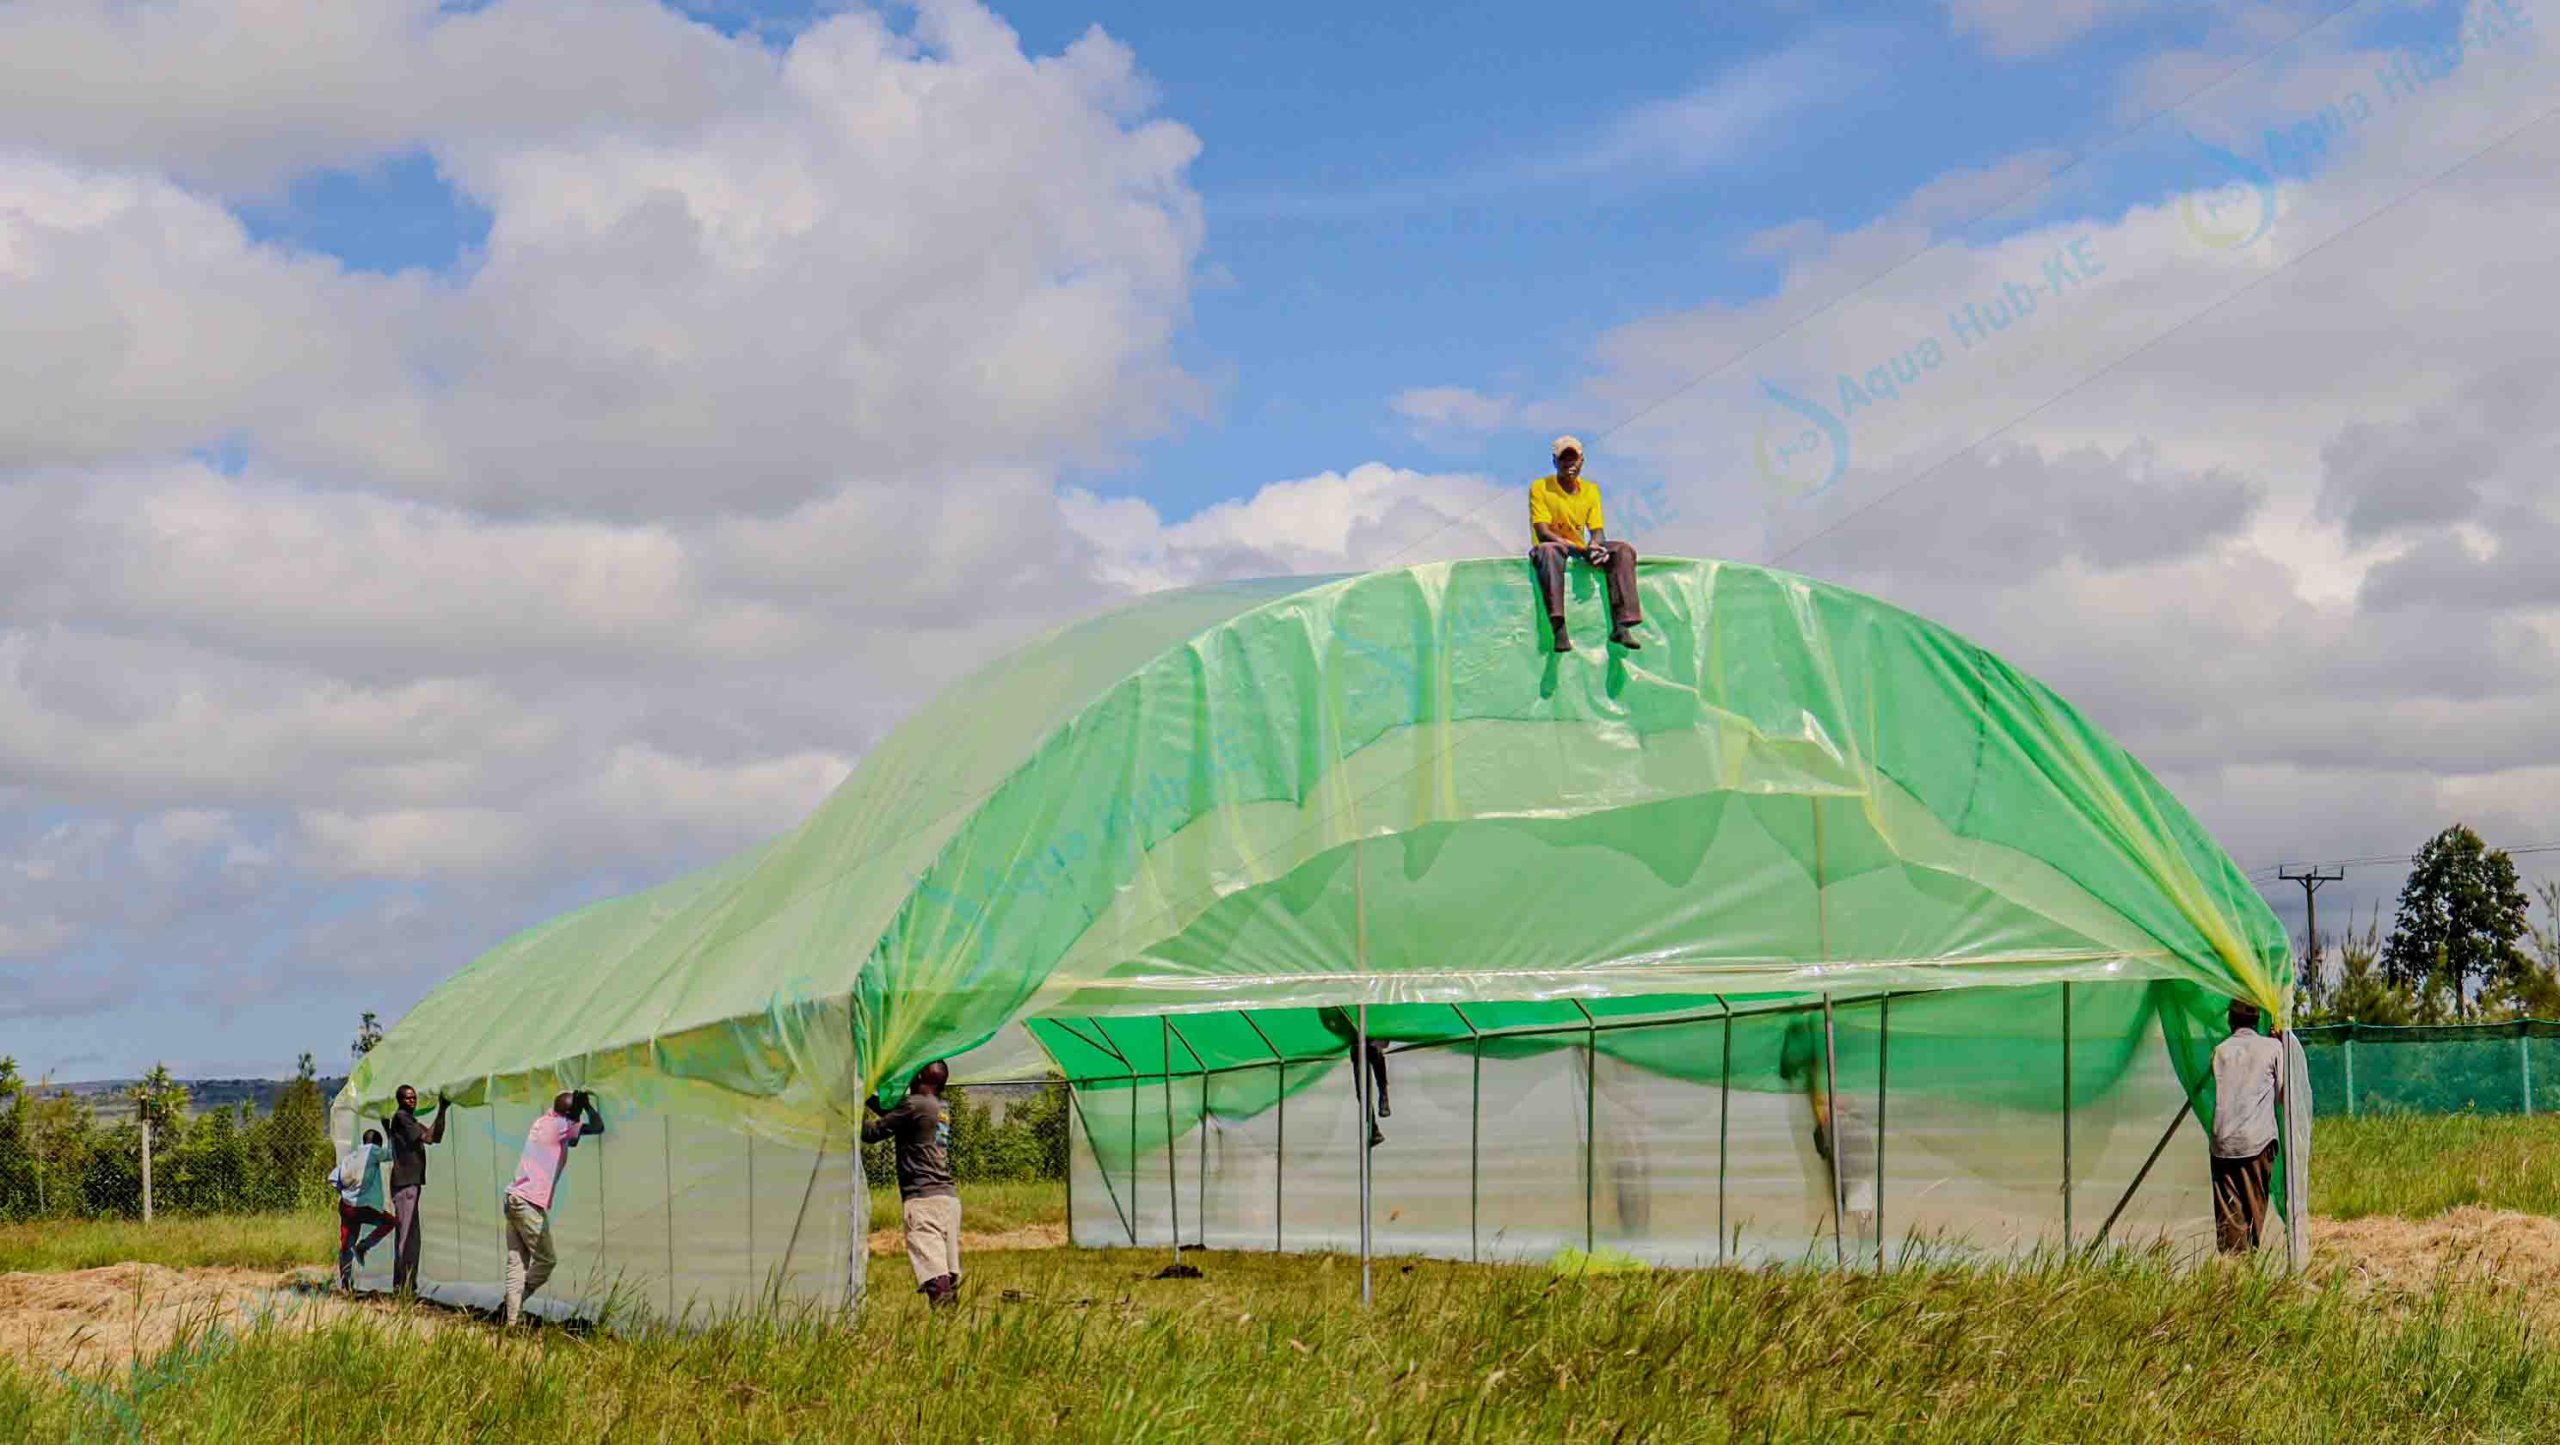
[(1088, 1345), (260, 1241), (1080, 1345), (2417, 1166)]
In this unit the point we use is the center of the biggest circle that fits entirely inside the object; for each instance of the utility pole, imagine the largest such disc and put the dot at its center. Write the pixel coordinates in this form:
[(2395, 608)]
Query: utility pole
[(2311, 877)]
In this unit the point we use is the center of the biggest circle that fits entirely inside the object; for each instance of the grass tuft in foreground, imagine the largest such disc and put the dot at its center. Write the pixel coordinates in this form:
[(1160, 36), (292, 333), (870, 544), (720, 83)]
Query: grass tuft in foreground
[(1085, 1345)]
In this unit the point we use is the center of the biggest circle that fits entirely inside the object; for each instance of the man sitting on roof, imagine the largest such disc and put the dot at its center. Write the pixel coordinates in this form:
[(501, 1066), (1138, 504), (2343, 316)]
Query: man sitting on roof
[(928, 1200), (1565, 524)]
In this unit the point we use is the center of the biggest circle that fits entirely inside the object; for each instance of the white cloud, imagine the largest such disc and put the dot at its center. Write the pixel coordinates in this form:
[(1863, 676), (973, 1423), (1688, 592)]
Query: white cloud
[(240, 94), (1436, 410), (2014, 29), (2278, 515), (1373, 516), (601, 555), (1646, 142)]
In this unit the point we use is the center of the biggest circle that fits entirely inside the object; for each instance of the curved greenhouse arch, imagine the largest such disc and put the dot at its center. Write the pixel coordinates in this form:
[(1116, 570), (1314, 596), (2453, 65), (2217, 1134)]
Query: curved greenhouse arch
[(1792, 786), (1245, 805)]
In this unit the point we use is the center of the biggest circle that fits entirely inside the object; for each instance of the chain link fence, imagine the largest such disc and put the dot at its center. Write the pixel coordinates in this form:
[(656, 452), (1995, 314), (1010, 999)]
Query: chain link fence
[(1000, 1134), (71, 1155), (2500, 1068), (147, 1153)]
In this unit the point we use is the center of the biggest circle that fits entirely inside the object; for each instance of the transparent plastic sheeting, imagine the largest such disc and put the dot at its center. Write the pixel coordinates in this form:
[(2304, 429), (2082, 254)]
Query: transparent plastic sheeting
[(658, 1217), (1269, 800), (1496, 1150)]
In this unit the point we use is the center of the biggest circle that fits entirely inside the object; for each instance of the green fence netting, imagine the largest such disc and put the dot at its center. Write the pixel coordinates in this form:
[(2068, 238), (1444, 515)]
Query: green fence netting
[(2500, 1068)]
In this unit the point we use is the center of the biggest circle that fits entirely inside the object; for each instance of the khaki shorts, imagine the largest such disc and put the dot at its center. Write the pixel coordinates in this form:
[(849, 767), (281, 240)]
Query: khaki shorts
[(933, 1236)]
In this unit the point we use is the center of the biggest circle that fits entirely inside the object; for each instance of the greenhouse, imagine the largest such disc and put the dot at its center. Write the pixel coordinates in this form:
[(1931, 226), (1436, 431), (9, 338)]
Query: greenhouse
[(1809, 933)]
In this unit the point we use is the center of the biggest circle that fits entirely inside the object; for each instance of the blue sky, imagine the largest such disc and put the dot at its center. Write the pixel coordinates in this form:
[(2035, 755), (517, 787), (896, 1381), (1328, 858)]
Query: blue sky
[(1396, 198), (374, 599)]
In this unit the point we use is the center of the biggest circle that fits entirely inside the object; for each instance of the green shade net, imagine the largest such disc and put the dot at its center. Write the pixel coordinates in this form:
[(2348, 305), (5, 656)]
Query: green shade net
[(1240, 806), (2510, 1067)]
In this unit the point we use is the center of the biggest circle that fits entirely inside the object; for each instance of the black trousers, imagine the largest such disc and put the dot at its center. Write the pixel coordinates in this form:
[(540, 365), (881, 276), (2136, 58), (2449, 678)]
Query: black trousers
[(2240, 1199), (1549, 560)]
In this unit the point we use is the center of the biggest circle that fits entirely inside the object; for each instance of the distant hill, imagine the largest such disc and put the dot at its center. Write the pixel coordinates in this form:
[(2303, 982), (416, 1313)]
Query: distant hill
[(109, 1101)]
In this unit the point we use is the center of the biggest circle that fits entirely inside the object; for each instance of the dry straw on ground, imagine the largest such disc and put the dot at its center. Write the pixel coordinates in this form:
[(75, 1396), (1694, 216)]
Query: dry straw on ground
[(2514, 1257), (102, 1322)]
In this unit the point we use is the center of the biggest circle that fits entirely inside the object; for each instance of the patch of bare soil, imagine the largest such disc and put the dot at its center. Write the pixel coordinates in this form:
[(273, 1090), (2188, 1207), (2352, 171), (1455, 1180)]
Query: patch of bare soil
[(101, 1322), (1030, 1236), (2512, 1256)]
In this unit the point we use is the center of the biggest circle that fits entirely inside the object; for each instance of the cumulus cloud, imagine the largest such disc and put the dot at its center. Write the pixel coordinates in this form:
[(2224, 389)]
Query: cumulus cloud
[(2275, 510), (600, 554), (1372, 516), (1452, 410)]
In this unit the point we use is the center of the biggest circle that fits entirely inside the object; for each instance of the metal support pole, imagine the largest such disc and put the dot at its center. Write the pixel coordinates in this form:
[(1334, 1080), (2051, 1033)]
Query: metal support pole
[(1475, 1127), (1280, 1108), (1590, 1121), (2524, 1058), (1133, 1154), (1884, 1059), (146, 1168), (1280, 1167), (1724, 1128), (1083, 1117), (2066, 1116), (2185, 1107), (667, 1138), (1831, 1093), (1172, 1174), (2350, 1049), (1200, 1200), (1360, 1079)]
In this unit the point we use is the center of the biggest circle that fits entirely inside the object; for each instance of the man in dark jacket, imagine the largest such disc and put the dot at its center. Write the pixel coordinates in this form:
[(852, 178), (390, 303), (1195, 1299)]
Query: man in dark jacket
[(409, 1141), (929, 1202)]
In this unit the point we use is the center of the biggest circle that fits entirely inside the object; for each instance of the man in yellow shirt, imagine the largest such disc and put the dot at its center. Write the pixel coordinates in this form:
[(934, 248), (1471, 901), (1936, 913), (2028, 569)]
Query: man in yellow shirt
[(1565, 522)]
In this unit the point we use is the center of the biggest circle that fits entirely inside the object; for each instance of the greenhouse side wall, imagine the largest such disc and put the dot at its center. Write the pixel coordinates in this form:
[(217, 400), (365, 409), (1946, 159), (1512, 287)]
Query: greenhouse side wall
[(1498, 1153), (660, 1216)]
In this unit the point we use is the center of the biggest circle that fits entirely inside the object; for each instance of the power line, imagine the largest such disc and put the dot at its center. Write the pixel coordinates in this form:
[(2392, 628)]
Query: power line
[(2272, 871)]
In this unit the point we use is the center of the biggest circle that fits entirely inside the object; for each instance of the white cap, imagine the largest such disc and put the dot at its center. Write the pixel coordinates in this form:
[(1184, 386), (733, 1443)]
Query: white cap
[(1565, 444)]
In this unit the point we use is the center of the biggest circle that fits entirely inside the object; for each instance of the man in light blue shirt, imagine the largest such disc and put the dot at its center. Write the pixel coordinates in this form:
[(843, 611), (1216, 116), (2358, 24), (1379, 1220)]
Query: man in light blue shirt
[(358, 1180)]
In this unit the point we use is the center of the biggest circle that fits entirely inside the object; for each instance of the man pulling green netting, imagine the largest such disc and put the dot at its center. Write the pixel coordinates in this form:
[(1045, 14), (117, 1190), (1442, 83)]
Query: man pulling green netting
[(928, 1199), (2248, 1089)]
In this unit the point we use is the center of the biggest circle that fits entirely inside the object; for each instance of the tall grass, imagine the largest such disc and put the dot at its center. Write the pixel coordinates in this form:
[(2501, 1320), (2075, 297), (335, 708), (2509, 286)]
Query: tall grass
[(988, 1208), (253, 1241), (1087, 1346), (2417, 1165)]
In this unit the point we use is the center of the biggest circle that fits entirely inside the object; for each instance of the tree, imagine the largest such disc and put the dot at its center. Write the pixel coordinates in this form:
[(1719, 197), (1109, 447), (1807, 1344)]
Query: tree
[(17, 1158), (2536, 994), (158, 1100), (2361, 994), (368, 1033), (297, 1137), (2460, 915)]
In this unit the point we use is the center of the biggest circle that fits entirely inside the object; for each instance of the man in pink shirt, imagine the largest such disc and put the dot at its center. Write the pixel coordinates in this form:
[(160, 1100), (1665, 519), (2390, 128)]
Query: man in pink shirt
[(546, 1149)]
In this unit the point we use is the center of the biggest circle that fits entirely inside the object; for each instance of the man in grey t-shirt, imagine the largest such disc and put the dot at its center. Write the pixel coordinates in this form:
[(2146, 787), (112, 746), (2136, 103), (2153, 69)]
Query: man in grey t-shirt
[(2248, 1089), (929, 1200)]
